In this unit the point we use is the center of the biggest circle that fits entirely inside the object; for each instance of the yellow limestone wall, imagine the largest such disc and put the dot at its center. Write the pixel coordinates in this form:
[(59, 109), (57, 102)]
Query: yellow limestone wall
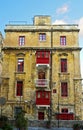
[(10, 75)]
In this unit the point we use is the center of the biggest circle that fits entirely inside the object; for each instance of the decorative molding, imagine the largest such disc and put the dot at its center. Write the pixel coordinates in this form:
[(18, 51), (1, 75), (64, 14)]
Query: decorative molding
[(63, 54), (20, 54)]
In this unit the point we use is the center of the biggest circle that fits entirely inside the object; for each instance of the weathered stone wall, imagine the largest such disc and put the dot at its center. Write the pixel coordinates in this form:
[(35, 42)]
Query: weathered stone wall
[(30, 74), (54, 123)]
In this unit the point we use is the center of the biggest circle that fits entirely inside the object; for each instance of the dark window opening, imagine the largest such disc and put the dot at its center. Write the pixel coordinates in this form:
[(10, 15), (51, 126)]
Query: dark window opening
[(64, 89), (63, 65), (64, 110), (19, 91), (20, 67), (41, 115)]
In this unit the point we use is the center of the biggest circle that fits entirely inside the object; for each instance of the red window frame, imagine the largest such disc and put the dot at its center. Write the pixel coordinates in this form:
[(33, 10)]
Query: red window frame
[(42, 36), (19, 88), (62, 40), (21, 40), (38, 54), (64, 89), (63, 65), (44, 95), (47, 55), (20, 65)]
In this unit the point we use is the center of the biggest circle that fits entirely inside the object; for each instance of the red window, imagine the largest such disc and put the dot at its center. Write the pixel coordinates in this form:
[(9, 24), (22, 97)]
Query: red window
[(19, 89), (64, 89), (63, 65), (42, 37), (62, 40), (40, 115), (21, 40), (41, 54), (20, 67), (64, 110), (43, 95), (47, 55), (38, 54)]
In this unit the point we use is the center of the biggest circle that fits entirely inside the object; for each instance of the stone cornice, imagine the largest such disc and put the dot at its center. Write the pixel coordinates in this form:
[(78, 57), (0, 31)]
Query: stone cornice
[(43, 48), (38, 28)]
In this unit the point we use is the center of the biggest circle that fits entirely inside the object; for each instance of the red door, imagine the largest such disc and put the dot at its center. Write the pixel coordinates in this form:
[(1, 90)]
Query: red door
[(40, 115)]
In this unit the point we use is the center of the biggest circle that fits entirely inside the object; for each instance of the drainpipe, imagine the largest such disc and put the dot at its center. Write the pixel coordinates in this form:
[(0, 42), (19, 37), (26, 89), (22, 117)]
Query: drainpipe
[(50, 117)]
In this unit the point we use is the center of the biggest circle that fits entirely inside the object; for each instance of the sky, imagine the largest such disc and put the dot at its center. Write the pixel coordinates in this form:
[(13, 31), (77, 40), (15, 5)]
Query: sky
[(61, 12)]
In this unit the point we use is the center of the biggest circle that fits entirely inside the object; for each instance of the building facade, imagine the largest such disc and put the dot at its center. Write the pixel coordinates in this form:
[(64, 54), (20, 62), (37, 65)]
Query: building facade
[(41, 70)]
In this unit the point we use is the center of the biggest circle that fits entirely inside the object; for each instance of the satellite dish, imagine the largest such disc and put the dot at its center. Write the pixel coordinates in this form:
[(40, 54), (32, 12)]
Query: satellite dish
[(2, 100)]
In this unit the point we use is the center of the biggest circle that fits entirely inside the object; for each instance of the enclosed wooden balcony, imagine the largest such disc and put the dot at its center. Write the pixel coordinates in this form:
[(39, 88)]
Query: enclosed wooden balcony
[(42, 58), (43, 98)]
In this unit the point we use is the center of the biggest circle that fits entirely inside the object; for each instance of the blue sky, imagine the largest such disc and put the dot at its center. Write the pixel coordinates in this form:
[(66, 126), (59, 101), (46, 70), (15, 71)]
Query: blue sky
[(61, 11)]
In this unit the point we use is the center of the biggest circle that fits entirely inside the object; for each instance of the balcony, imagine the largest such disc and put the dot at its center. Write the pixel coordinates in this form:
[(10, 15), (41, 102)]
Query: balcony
[(42, 83), (43, 98), (65, 116), (43, 58)]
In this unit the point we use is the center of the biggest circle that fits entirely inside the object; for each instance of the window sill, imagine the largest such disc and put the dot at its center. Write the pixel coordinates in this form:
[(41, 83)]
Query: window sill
[(63, 73), (19, 72)]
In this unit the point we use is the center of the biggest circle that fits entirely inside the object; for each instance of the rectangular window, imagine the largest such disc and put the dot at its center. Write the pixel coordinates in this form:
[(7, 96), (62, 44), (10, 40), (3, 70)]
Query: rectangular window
[(38, 95), (41, 75), (19, 88), (47, 95), (17, 110), (64, 110), (42, 37), (62, 40), (43, 54), (64, 89), (63, 65), (21, 40), (47, 55), (38, 54), (20, 65)]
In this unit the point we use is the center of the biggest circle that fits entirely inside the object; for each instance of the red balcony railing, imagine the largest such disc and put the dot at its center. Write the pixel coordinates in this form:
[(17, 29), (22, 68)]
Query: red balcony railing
[(65, 116), (42, 101), (42, 83)]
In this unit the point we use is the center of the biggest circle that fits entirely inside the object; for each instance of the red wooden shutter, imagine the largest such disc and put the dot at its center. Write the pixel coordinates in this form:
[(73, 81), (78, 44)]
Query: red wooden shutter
[(19, 88), (63, 65), (64, 89)]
